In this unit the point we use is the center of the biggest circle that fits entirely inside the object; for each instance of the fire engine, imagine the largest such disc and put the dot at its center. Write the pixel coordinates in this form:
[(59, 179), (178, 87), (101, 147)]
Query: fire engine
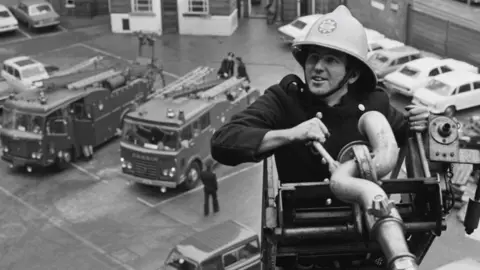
[(71, 114), (166, 141), (364, 217)]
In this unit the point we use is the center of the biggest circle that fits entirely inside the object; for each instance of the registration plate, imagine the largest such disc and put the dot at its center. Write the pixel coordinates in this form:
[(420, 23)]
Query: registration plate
[(147, 182)]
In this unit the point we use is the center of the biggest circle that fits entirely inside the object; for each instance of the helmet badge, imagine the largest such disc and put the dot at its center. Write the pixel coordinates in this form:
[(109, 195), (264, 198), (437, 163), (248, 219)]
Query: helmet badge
[(327, 26)]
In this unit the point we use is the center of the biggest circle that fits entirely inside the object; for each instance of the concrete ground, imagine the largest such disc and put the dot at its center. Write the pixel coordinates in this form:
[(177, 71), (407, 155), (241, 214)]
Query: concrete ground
[(89, 217)]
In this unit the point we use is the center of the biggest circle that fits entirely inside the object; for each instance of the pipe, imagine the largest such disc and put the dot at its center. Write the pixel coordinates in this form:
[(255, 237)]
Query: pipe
[(383, 221)]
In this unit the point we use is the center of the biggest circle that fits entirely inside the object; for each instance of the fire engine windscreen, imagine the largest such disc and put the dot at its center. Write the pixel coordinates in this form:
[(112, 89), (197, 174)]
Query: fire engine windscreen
[(151, 137), (176, 262), (13, 119)]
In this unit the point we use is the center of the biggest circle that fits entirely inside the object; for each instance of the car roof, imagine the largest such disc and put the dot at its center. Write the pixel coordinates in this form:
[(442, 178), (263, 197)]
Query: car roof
[(425, 63), (33, 2), (399, 51), (20, 61), (202, 245), (457, 77), (309, 18), (457, 63), (387, 43)]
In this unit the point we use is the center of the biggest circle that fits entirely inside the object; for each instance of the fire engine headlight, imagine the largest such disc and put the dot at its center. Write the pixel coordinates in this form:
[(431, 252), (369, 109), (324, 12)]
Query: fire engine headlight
[(5, 149), (129, 165), (169, 172)]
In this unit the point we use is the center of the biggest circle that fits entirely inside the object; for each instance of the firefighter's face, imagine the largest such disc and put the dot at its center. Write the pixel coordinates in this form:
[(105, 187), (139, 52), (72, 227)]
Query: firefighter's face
[(324, 70)]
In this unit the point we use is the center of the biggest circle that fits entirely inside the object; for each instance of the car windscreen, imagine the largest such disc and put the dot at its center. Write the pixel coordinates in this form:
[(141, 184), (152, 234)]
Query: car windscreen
[(4, 14), (408, 71), (438, 87), (32, 71), (298, 24)]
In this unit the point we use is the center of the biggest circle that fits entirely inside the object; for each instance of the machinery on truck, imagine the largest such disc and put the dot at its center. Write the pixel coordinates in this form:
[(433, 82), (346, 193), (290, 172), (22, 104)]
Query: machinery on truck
[(359, 219), (166, 141), (70, 115)]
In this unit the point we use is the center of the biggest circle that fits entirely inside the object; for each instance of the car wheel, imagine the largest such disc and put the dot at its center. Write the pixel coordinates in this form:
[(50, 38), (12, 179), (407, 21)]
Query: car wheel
[(450, 111), (193, 176)]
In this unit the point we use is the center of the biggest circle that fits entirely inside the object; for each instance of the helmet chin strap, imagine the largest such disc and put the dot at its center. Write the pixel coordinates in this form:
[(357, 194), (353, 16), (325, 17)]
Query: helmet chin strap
[(341, 84)]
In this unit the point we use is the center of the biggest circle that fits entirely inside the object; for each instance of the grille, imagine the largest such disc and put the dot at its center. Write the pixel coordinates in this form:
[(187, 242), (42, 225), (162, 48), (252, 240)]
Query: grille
[(19, 149), (146, 169)]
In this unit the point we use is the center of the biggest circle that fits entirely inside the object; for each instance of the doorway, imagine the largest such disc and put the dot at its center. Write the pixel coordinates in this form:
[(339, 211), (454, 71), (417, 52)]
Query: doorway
[(257, 8)]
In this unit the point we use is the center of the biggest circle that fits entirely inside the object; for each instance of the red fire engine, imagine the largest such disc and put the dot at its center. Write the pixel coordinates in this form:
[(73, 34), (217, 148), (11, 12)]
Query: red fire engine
[(166, 141), (70, 116)]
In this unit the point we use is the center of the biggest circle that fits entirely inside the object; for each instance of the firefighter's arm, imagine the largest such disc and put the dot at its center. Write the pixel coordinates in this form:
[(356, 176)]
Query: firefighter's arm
[(244, 138)]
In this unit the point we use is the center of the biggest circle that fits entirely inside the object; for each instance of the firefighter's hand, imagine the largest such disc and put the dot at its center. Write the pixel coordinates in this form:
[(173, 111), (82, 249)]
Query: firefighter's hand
[(311, 130), (417, 117)]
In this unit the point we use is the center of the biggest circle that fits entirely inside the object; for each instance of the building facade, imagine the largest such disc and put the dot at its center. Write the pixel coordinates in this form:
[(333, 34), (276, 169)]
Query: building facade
[(186, 17), (81, 8)]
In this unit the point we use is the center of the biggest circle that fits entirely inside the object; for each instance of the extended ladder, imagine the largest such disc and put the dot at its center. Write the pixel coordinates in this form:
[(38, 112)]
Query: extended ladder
[(222, 88), (193, 77), (94, 79), (193, 89), (78, 67)]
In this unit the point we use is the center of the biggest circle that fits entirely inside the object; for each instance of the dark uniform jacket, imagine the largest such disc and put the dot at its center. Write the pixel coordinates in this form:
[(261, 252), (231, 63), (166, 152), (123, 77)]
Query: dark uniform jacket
[(285, 107), (242, 72), (227, 66), (209, 180)]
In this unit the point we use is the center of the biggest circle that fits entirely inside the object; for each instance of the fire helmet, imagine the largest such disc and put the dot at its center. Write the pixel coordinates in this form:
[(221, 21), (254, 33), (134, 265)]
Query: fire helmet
[(339, 31)]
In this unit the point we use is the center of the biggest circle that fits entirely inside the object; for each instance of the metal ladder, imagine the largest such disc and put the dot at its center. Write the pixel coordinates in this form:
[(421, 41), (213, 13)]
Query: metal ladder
[(221, 88), (193, 89), (189, 79), (94, 79)]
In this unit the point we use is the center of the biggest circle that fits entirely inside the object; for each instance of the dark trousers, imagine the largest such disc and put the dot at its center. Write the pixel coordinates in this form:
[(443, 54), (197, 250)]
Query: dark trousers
[(208, 194)]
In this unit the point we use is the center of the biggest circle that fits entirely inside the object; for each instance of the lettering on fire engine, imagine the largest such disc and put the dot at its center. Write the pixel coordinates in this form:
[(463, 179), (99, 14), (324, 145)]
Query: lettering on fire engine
[(143, 157)]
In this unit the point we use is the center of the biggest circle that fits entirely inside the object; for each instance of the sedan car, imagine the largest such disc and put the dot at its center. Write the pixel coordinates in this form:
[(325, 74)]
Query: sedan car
[(8, 23), (36, 14), (24, 73), (387, 61), (297, 29), (416, 74), (450, 92)]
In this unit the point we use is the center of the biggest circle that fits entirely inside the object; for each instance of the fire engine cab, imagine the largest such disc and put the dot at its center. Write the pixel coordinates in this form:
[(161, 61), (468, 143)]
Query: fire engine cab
[(69, 115), (166, 141)]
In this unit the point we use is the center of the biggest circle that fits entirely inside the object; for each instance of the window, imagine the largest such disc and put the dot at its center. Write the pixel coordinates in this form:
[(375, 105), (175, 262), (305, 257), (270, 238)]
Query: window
[(476, 86), (142, 6), (69, 3), (186, 134), (408, 71), (445, 69), (212, 264), (205, 121), (126, 24), (198, 6), (57, 126), (402, 60), (16, 73), (394, 5), (414, 57), (243, 253), (434, 72), (378, 4), (464, 88)]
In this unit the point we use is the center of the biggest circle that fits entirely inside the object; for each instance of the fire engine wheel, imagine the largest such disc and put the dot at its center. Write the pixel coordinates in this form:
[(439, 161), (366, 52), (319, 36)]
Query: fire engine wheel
[(193, 176)]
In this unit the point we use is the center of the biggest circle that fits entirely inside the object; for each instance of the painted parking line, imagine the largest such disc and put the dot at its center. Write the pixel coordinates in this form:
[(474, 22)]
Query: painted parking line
[(85, 171), (175, 76), (61, 224), (221, 179), (63, 29), (24, 33)]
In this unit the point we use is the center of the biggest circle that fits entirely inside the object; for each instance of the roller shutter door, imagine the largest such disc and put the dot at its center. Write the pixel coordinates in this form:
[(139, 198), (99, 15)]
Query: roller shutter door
[(426, 32), (463, 44)]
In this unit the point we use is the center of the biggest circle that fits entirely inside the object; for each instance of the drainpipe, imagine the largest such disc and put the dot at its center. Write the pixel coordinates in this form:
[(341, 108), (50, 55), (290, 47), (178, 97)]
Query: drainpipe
[(383, 220)]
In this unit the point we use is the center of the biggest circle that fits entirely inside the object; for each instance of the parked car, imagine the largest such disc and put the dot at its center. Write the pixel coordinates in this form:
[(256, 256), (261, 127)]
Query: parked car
[(388, 60), (24, 73), (383, 44), (298, 28), (450, 92), (416, 74), (8, 23), (35, 13)]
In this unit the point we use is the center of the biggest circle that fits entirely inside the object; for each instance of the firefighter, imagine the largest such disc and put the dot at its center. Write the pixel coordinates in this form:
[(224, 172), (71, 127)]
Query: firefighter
[(339, 87), (210, 187), (241, 69), (227, 67)]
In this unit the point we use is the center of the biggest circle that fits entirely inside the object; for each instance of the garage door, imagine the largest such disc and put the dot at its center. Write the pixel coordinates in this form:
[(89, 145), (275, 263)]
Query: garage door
[(426, 32), (463, 44)]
